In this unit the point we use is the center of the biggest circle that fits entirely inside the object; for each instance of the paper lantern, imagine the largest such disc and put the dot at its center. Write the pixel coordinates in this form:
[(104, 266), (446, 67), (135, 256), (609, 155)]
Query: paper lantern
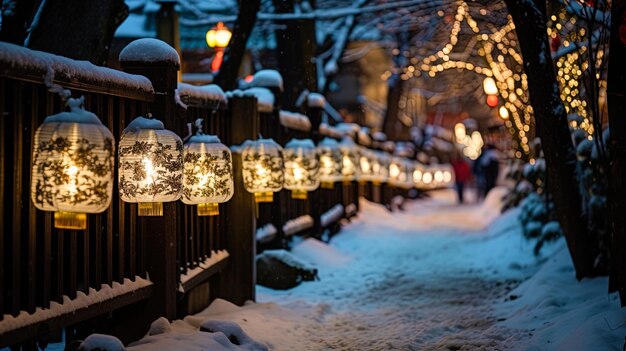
[(150, 166), (381, 168), (399, 169), (427, 179), (73, 160), (367, 159), (207, 174), (418, 173), (301, 168), (330, 162), (262, 170), (349, 160)]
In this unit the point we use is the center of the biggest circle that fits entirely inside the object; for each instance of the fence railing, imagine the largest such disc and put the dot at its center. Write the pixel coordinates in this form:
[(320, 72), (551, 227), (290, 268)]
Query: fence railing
[(124, 271)]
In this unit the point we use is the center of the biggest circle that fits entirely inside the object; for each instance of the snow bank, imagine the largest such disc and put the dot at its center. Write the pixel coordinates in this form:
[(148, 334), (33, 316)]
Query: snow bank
[(149, 50), (18, 59), (296, 225), (553, 311), (319, 253), (100, 342), (295, 121)]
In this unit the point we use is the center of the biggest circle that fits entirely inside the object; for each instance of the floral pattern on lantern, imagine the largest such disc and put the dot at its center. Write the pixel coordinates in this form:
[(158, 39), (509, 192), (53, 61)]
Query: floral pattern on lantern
[(301, 167), (350, 168), (262, 170), (330, 162), (73, 160), (150, 166), (207, 174)]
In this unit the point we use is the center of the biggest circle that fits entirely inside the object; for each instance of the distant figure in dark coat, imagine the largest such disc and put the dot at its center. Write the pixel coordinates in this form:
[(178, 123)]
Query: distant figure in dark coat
[(462, 174), (490, 164)]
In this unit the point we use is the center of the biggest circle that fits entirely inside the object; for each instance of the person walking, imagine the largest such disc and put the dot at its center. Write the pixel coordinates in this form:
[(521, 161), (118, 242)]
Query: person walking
[(490, 163), (462, 175)]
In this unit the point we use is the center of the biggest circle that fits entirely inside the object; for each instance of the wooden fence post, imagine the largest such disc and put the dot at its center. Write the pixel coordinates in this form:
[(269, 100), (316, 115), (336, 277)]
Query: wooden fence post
[(159, 233), (315, 117), (237, 281)]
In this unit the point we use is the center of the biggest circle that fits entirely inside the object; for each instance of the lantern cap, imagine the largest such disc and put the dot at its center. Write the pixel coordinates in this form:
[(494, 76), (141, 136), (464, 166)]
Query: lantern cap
[(77, 114), (204, 138), (144, 123), (300, 143)]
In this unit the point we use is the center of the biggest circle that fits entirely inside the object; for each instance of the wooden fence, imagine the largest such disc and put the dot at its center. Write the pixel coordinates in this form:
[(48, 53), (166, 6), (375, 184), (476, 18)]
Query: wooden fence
[(124, 271)]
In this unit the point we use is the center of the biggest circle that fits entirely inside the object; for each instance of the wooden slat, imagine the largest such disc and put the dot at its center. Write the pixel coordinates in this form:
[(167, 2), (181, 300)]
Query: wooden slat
[(96, 248), (86, 261), (4, 138), (32, 211), (59, 269), (18, 119), (205, 274), (71, 267)]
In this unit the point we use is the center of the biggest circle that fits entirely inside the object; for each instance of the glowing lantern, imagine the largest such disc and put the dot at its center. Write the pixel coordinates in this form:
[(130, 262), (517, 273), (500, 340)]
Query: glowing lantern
[(150, 166), (73, 160), (301, 168), (207, 173), (330, 162), (381, 168), (448, 175), (503, 112), (367, 163), (427, 179), (418, 173), (492, 100), (262, 170), (218, 38), (399, 172), (349, 160), (489, 86)]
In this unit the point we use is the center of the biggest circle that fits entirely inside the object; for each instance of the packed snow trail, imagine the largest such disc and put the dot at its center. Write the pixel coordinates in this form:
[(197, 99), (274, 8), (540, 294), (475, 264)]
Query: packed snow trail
[(436, 276)]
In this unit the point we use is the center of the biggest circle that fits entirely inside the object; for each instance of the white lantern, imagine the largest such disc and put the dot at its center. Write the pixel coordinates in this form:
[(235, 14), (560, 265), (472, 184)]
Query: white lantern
[(207, 174), (367, 163), (262, 170), (418, 174), (73, 160), (381, 168), (399, 172), (301, 168), (330, 162), (349, 160), (427, 179), (150, 166), (448, 175)]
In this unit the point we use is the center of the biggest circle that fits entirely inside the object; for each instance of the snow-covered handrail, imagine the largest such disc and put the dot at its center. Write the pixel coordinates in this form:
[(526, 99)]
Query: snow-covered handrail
[(298, 224), (207, 96), (217, 257), (20, 63), (294, 120), (331, 216)]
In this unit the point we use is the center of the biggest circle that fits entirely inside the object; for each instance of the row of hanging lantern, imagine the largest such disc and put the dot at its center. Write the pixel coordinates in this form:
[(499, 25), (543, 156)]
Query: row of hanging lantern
[(73, 167)]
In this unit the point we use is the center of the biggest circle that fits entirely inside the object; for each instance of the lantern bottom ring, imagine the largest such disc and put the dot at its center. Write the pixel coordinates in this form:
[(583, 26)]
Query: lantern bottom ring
[(299, 194), (70, 220), (208, 209), (150, 209), (264, 197), (327, 185)]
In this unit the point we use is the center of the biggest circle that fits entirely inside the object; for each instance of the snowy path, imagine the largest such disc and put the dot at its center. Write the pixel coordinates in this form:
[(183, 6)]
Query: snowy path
[(434, 277)]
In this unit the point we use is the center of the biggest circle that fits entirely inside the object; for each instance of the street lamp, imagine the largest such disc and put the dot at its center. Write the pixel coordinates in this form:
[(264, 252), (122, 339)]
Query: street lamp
[(218, 38)]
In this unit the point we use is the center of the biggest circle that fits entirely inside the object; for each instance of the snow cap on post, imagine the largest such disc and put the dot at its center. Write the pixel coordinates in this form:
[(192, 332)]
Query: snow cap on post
[(149, 51), (267, 78)]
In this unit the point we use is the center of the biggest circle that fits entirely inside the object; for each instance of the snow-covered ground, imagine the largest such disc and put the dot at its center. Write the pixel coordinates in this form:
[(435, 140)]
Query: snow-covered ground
[(435, 277)]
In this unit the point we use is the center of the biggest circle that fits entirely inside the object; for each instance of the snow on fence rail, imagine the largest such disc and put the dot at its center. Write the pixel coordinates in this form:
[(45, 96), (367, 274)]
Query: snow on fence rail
[(37, 66), (83, 307), (298, 224), (207, 96), (265, 98), (266, 233), (330, 131), (331, 216), (295, 121)]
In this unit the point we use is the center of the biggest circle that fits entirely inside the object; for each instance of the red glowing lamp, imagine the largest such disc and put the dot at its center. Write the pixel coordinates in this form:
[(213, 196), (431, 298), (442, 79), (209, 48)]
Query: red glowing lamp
[(492, 100)]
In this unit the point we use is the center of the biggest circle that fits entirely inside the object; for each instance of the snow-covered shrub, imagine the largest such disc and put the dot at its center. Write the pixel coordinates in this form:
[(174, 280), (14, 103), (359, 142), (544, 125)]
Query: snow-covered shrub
[(537, 219), (101, 342)]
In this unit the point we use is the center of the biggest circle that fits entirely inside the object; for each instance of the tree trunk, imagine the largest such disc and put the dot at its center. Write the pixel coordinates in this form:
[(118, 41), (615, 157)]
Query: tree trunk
[(530, 20), (233, 54), (295, 46), (78, 29), (394, 92), (616, 92)]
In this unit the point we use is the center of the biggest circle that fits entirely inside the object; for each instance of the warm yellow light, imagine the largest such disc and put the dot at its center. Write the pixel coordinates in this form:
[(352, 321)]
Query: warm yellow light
[(218, 36), (489, 86), (504, 113)]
